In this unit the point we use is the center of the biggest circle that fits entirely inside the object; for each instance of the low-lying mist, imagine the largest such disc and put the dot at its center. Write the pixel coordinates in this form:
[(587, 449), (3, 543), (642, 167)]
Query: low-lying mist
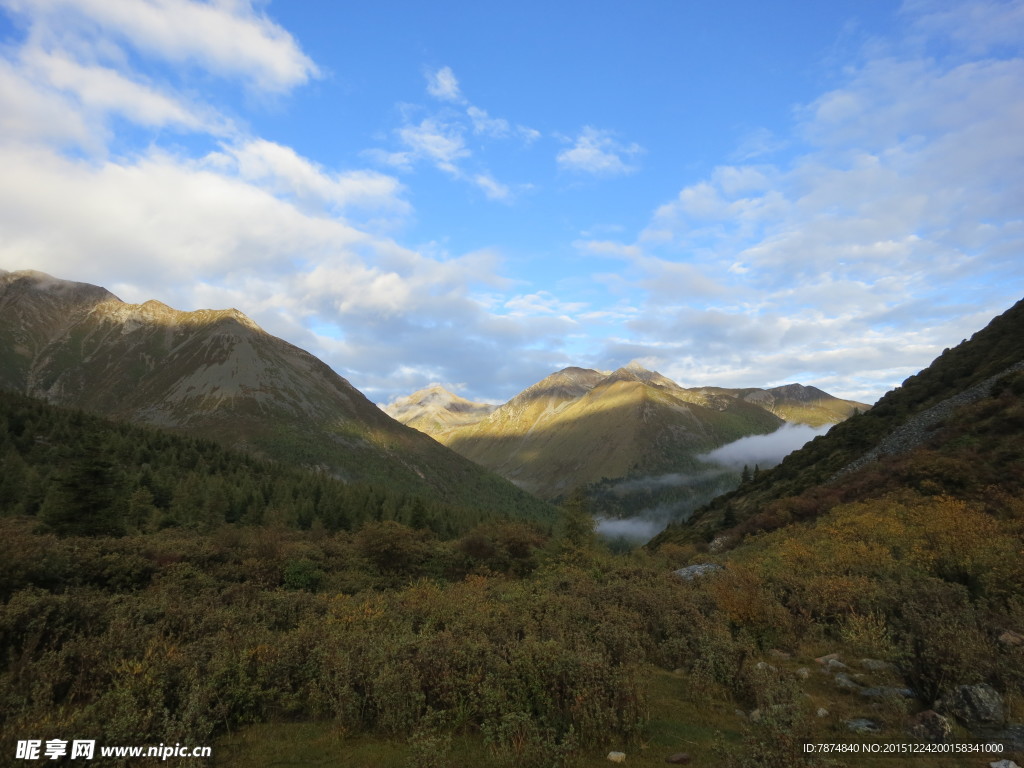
[(673, 497), (765, 450)]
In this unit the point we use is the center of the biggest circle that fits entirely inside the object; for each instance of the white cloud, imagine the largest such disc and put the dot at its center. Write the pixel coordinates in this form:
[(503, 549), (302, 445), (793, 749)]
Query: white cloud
[(283, 170), (33, 114), (496, 127), (228, 38), (976, 26), (765, 450), (596, 152), (442, 84), (436, 141), (103, 90), (493, 189)]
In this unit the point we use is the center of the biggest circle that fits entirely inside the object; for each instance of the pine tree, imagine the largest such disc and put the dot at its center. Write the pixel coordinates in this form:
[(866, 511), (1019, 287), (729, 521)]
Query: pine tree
[(83, 501)]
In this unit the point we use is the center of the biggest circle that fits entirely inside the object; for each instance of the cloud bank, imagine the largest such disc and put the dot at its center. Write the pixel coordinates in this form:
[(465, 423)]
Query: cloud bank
[(764, 450)]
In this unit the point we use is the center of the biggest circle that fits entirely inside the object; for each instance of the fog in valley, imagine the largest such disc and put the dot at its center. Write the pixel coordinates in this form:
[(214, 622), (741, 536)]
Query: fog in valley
[(677, 495)]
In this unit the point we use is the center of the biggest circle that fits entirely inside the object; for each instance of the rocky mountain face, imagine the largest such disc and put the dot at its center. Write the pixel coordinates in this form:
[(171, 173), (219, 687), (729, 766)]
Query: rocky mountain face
[(216, 374)]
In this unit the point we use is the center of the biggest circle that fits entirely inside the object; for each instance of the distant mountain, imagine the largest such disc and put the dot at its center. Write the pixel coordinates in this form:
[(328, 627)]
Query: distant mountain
[(796, 403), (956, 428), (216, 374), (435, 410), (579, 426)]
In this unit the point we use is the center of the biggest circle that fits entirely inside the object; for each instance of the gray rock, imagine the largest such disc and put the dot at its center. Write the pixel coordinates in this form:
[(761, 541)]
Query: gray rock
[(617, 757), (845, 683), (931, 727), (822, 712), (862, 725), (973, 705), (1011, 737), (691, 572), (1003, 764), (835, 665)]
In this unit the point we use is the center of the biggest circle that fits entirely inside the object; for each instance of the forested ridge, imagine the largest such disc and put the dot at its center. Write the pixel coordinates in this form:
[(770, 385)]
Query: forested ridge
[(81, 474)]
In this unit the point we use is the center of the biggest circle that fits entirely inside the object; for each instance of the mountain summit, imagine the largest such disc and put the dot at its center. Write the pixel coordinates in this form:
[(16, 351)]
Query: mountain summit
[(435, 410), (579, 426), (217, 374)]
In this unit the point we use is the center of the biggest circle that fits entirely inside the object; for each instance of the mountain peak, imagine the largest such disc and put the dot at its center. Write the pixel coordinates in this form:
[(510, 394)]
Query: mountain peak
[(633, 371), (434, 409), (799, 392)]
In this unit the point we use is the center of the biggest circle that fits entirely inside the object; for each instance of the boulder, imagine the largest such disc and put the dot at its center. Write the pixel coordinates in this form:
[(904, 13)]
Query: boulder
[(973, 705), (835, 665), (617, 757), (1011, 737), (931, 727), (691, 572), (845, 683)]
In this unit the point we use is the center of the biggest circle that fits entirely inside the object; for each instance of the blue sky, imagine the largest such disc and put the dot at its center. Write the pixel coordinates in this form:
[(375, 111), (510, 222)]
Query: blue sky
[(476, 194)]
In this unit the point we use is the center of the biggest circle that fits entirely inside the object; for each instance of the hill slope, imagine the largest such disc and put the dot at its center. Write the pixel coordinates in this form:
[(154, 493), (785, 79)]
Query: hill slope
[(216, 374), (954, 428)]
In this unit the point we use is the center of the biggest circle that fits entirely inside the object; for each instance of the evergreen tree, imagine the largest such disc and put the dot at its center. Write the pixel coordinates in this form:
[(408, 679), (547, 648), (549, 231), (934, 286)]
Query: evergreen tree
[(83, 501), (577, 522)]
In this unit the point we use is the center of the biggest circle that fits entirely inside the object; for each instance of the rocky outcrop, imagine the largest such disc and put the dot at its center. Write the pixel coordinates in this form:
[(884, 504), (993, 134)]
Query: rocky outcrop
[(920, 426), (691, 572), (973, 705)]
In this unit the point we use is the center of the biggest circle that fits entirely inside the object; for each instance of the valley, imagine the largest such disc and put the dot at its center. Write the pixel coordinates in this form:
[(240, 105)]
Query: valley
[(209, 537)]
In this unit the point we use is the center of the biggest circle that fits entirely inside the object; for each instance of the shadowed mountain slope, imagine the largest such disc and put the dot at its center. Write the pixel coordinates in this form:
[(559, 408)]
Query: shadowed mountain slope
[(956, 428), (216, 374)]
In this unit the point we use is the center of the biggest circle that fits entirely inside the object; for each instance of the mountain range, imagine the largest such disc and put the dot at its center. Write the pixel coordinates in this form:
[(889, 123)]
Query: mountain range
[(216, 374), (580, 426)]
